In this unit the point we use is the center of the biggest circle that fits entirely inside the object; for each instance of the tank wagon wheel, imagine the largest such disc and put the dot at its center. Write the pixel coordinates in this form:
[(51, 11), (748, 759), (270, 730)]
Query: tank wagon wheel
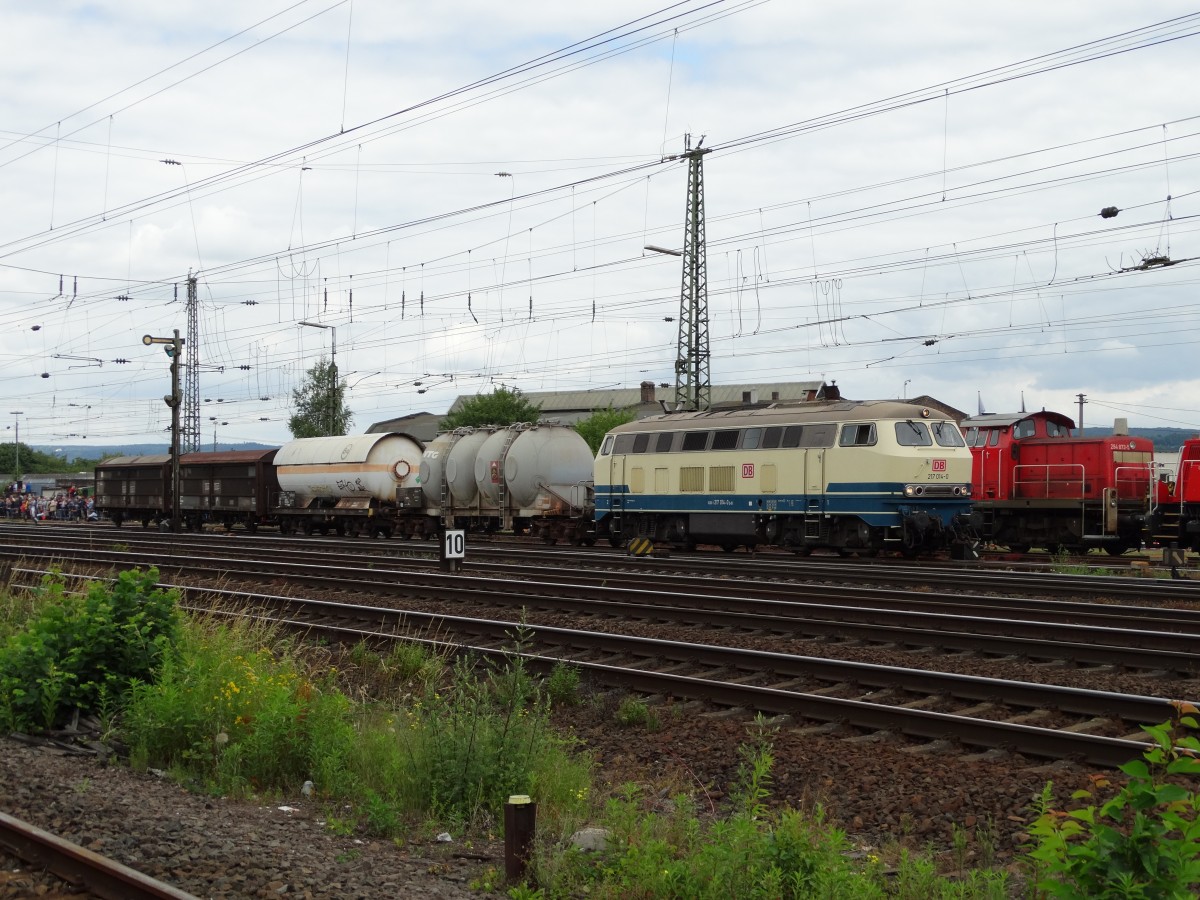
[(118, 520), (251, 527), (306, 528), (1020, 548), (1117, 549), (146, 522), (729, 548), (802, 550), (614, 540)]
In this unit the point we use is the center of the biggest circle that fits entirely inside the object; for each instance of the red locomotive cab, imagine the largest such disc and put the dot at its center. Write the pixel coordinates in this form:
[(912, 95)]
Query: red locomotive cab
[(1036, 484), (1176, 517), (1187, 479)]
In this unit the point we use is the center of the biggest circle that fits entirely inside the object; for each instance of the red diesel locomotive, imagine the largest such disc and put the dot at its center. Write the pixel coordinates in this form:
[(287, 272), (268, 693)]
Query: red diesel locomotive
[(1176, 517), (1034, 484)]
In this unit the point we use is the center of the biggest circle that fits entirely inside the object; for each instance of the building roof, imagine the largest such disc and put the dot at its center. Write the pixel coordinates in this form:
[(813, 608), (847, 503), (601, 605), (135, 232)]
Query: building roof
[(555, 403)]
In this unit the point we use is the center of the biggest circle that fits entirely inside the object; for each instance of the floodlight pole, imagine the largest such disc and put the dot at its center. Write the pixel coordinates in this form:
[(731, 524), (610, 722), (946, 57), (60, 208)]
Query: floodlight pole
[(16, 414)]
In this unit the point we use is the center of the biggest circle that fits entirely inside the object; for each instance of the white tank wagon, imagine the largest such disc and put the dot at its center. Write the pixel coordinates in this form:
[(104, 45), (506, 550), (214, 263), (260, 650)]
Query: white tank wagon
[(448, 468), (525, 478), (348, 484)]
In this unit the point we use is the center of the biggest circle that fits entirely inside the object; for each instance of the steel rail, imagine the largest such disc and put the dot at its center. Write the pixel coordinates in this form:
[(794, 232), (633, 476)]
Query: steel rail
[(535, 581), (101, 876), (873, 571), (1095, 645)]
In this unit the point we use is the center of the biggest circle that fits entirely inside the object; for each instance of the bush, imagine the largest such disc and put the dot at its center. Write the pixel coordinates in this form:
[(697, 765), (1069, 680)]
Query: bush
[(84, 652), (1144, 842)]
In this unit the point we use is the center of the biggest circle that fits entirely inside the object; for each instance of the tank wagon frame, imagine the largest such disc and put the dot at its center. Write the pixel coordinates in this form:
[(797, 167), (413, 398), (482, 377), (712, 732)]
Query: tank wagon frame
[(1038, 485), (858, 477)]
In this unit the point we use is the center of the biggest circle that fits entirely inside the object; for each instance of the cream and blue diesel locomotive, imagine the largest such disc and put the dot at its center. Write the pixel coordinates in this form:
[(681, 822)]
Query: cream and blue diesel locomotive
[(857, 477)]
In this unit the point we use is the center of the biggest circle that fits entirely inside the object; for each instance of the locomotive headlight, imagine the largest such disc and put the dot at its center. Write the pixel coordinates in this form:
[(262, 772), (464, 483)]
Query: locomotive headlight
[(914, 490)]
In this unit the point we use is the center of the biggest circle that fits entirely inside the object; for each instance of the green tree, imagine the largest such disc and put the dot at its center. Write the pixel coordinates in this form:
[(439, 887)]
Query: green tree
[(601, 422), (320, 403), (501, 407)]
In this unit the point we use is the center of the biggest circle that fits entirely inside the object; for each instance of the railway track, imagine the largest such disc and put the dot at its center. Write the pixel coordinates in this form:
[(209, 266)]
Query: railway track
[(79, 866), (137, 546)]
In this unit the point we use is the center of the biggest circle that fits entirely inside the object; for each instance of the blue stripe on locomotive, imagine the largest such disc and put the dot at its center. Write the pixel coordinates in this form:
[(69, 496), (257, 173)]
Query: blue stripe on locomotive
[(876, 503)]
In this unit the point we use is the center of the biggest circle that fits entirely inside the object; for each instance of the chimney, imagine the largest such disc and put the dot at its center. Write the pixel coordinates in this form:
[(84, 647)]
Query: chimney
[(1121, 426), (832, 392), (647, 391), (775, 396)]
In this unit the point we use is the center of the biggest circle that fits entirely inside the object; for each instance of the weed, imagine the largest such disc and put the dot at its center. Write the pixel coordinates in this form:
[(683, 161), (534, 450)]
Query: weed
[(634, 711), (1144, 841), (562, 687)]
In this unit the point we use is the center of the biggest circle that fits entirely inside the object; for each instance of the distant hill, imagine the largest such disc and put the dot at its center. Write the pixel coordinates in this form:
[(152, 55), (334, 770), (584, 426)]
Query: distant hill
[(83, 451), (1166, 440)]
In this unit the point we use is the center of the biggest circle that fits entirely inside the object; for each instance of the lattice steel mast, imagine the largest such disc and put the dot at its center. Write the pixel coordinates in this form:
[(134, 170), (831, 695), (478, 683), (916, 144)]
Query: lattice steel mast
[(693, 386), (191, 387)]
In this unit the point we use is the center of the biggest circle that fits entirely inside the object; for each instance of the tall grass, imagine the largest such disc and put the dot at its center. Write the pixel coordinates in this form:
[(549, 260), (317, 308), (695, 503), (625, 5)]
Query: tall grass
[(238, 717)]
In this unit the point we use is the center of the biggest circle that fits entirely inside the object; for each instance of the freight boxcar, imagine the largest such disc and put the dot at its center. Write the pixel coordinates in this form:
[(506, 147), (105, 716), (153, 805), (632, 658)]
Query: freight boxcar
[(1035, 484), (228, 488), (135, 489)]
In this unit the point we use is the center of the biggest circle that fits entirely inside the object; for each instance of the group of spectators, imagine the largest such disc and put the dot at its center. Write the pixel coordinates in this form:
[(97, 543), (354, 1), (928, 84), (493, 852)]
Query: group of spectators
[(66, 506)]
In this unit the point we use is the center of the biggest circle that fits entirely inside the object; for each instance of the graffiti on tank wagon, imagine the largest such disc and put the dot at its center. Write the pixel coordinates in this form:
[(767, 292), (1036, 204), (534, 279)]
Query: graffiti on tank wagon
[(356, 486)]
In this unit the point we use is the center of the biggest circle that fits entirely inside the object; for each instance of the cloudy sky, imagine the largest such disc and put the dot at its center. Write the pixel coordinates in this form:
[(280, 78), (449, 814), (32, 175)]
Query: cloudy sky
[(904, 198)]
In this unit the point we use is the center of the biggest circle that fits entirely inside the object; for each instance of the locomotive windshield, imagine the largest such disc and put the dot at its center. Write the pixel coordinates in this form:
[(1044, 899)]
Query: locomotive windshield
[(913, 434)]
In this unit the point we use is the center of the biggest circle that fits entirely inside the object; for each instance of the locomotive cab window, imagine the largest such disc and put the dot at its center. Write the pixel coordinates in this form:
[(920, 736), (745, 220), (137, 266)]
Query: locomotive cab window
[(606, 447), (1024, 429), (972, 435), (662, 443), (993, 437), (912, 434), (771, 438), (792, 435), (624, 444), (751, 438), (640, 443), (946, 434), (695, 440), (861, 435), (1054, 430)]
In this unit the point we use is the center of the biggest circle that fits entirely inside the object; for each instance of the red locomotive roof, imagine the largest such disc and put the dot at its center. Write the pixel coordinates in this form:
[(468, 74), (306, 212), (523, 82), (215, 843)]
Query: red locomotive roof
[(1000, 420)]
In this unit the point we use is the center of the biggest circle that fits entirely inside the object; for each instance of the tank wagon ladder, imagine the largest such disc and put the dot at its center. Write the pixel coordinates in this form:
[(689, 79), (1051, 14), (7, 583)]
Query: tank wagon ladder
[(445, 498), (506, 517)]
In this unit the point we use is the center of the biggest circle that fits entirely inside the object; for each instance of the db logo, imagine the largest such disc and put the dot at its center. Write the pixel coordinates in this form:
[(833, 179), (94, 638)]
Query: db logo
[(939, 465), (747, 470)]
